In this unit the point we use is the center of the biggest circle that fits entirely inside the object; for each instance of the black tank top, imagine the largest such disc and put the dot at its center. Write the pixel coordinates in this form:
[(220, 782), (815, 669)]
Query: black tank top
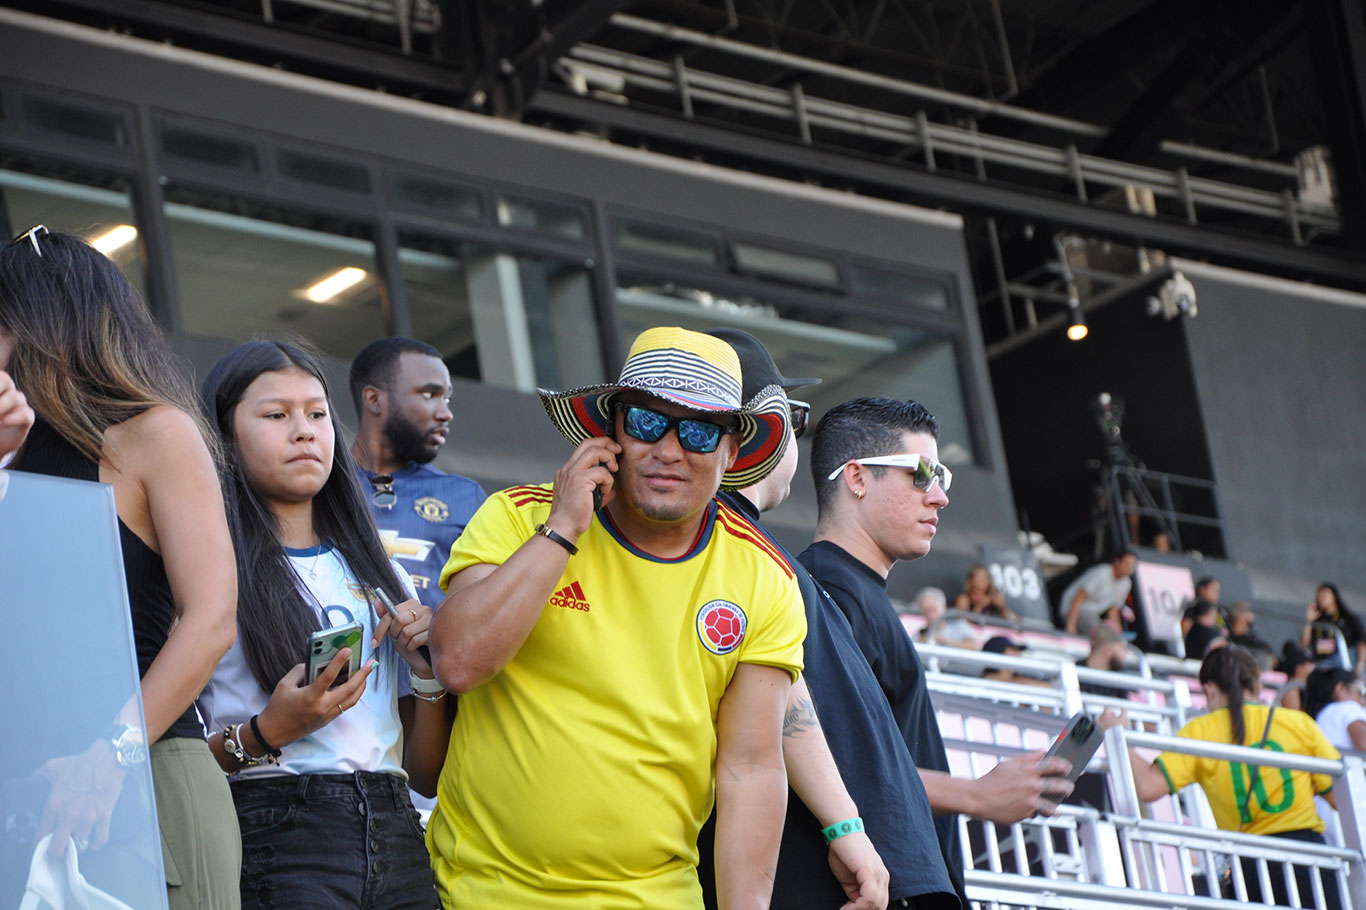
[(149, 592)]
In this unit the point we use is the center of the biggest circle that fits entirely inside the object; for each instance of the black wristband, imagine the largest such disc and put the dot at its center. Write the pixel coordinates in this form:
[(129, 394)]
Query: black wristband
[(545, 531), (256, 732)]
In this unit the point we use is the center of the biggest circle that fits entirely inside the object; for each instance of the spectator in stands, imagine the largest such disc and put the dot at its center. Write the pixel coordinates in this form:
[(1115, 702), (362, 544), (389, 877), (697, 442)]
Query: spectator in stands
[(941, 628), (319, 773), (1336, 699), (1329, 609), (1205, 633), (621, 666), (1207, 592), (402, 390), (1278, 802), (1242, 632), (1162, 542), (853, 717), (113, 404), (1001, 644), (1109, 651), (1098, 595), (980, 595), (879, 490), (1296, 663)]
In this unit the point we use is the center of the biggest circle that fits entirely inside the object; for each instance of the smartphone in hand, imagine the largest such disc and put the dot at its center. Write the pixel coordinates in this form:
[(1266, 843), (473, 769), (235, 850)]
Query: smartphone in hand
[(1077, 742), (324, 644)]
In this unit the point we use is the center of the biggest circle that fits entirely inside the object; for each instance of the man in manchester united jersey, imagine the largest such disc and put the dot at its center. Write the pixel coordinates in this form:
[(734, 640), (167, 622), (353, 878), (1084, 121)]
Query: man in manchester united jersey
[(623, 644)]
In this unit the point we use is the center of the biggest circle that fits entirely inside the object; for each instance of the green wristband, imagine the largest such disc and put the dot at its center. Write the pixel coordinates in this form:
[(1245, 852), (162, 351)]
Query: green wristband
[(839, 829)]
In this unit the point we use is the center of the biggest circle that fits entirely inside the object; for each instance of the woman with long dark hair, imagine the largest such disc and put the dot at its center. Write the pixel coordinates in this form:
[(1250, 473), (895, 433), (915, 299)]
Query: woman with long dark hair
[(319, 769), (1256, 800), (1328, 610), (1334, 698), (114, 406)]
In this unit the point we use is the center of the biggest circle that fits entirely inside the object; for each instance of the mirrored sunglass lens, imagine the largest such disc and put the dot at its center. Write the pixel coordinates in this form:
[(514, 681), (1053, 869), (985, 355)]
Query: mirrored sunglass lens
[(698, 435), (799, 414), (927, 472), (384, 497), (646, 425)]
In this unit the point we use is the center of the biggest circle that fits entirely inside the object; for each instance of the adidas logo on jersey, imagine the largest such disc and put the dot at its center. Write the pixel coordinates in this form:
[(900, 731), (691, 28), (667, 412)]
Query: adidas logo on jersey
[(570, 597)]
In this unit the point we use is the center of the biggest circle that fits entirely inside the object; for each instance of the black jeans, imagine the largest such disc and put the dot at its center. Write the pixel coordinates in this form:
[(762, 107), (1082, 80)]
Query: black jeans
[(332, 841), (1303, 883)]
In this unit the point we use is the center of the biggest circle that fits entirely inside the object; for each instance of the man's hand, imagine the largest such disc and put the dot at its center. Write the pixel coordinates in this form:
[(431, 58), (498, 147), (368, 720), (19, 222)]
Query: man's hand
[(860, 871), (593, 464), (1022, 786)]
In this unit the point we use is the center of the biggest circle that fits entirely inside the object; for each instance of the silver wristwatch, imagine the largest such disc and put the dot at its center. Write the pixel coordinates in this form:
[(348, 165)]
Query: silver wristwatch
[(130, 746)]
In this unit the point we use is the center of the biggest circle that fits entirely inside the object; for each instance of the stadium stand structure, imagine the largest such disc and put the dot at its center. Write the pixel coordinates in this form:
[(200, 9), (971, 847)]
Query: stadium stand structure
[(1129, 854)]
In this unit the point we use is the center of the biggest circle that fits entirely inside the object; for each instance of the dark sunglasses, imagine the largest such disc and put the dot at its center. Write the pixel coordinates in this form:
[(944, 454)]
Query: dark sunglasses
[(650, 426), (800, 411), (384, 495), (31, 235)]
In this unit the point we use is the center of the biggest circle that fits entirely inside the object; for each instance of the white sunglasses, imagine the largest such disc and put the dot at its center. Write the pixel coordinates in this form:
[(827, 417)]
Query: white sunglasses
[(926, 470)]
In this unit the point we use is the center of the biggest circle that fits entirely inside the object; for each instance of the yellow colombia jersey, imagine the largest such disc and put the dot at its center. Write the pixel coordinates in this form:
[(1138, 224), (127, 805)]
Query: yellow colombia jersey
[(580, 775), (1282, 799)]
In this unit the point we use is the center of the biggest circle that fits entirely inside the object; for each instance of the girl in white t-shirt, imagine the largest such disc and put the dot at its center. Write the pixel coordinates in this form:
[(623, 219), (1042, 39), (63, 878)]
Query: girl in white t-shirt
[(1333, 697), (320, 773)]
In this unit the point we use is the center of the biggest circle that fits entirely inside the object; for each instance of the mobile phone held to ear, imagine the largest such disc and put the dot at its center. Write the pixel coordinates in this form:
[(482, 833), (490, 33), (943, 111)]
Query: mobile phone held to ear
[(1077, 742), (324, 644)]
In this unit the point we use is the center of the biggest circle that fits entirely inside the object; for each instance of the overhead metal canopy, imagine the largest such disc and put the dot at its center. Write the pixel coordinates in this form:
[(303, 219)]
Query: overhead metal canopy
[(1199, 128)]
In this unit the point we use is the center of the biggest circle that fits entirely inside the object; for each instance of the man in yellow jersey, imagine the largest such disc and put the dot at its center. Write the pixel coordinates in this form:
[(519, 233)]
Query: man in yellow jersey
[(621, 665)]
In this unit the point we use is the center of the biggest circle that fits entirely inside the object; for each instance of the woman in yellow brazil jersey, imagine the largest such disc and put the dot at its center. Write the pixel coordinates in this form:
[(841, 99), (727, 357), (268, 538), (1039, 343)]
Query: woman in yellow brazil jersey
[(1280, 801)]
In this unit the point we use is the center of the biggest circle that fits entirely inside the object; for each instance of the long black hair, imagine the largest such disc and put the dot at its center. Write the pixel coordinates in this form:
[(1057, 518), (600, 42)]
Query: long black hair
[(1233, 671), (1318, 688), (274, 619)]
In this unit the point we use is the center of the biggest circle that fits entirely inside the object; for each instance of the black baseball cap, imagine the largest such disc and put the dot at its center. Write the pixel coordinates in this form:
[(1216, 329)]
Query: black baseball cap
[(757, 369)]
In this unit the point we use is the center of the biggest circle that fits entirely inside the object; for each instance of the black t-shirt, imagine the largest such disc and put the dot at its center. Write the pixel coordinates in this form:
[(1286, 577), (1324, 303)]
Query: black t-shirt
[(1199, 638), (861, 595), (875, 766)]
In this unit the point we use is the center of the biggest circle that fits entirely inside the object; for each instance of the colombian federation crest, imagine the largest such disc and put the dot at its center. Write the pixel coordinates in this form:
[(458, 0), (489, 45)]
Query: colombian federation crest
[(721, 626)]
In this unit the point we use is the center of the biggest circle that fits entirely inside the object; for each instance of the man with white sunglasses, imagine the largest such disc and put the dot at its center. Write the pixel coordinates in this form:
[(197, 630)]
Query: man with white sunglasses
[(879, 491)]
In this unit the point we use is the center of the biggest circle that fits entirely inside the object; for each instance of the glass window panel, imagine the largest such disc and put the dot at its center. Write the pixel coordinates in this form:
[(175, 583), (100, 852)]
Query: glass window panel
[(216, 150), (92, 212), (853, 354), (503, 318), (888, 285), (426, 195), (250, 272), (664, 240), (77, 122), (800, 267), (536, 215), (328, 172)]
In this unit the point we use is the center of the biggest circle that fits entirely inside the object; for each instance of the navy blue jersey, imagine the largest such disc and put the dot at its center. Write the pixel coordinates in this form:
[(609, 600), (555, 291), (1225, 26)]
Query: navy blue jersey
[(429, 513)]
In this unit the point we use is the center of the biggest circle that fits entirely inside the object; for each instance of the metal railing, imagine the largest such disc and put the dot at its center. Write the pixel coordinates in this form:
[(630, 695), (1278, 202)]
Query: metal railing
[(1141, 493), (602, 66), (1150, 847)]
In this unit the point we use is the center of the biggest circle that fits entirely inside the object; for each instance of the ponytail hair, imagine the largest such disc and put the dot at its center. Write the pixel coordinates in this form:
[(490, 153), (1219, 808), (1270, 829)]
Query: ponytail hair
[(1233, 671)]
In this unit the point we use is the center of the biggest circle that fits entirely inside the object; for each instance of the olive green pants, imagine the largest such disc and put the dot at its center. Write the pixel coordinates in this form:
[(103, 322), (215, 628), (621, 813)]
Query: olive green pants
[(201, 846)]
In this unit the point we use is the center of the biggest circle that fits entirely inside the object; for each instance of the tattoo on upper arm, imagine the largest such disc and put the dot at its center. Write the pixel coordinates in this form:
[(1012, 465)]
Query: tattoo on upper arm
[(799, 717)]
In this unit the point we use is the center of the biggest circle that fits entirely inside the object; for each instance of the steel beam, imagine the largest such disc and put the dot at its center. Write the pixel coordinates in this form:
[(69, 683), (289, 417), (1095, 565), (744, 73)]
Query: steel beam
[(314, 54), (960, 194)]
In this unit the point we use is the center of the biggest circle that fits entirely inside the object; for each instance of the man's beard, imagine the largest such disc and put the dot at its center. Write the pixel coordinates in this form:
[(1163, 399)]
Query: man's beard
[(409, 444)]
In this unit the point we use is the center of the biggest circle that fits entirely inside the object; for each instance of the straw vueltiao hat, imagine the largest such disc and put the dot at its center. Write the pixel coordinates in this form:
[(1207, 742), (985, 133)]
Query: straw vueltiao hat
[(696, 371)]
